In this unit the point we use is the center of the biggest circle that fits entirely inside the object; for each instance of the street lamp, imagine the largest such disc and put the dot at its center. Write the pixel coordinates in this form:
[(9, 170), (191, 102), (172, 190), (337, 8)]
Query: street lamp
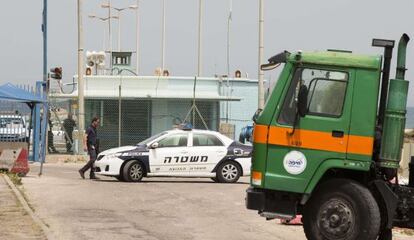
[(103, 19), (108, 5), (119, 10), (137, 35)]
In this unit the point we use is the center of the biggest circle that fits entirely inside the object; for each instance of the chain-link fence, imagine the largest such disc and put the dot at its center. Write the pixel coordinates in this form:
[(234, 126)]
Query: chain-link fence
[(133, 108), (127, 121)]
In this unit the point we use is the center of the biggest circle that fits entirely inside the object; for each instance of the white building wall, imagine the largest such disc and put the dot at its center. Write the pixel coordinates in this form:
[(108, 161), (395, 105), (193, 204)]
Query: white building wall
[(240, 112)]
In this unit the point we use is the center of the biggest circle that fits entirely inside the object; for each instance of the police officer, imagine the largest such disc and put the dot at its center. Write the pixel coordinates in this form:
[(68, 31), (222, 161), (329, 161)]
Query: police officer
[(91, 145), (69, 124)]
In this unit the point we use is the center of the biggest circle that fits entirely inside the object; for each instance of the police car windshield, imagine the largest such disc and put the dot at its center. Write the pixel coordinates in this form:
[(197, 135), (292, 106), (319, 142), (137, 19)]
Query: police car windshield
[(146, 141)]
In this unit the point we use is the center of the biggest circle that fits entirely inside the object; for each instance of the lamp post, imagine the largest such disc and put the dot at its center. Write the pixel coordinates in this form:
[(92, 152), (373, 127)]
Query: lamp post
[(261, 48), (109, 6), (229, 19), (103, 19), (163, 37), (81, 87), (136, 7), (200, 40), (119, 10)]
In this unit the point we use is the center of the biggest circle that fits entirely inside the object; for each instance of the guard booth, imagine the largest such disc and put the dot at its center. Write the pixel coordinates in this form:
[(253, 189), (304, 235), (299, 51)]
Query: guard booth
[(21, 137)]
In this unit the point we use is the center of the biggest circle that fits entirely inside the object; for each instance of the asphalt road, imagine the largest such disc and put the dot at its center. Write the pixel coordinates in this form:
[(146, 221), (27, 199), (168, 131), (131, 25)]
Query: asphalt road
[(157, 208)]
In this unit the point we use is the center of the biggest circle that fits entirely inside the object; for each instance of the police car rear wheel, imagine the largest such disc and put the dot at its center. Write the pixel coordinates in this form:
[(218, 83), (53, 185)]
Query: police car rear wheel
[(133, 171), (228, 172)]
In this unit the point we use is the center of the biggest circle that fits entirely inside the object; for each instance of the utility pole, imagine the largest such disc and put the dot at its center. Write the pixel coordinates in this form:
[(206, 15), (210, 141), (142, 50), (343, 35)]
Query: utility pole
[(45, 85), (261, 48), (200, 39), (110, 35), (228, 59), (137, 40), (81, 87), (119, 31), (163, 37)]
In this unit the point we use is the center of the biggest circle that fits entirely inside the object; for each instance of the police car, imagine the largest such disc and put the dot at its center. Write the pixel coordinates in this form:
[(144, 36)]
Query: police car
[(178, 153)]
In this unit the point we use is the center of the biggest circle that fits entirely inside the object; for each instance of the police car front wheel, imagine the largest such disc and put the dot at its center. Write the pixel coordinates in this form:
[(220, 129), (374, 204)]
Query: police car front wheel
[(133, 171), (228, 172)]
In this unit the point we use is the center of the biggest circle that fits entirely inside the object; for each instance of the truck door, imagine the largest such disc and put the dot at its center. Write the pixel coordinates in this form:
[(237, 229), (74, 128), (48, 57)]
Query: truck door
[(298, 145)]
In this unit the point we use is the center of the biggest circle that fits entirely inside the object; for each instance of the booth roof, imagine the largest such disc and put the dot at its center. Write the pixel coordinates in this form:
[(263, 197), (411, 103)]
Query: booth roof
[(10, 92)]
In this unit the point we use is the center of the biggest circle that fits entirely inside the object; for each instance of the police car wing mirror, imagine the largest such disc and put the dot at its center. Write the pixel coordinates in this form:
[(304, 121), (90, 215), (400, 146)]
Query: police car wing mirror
[(154, 145), (303, 101)]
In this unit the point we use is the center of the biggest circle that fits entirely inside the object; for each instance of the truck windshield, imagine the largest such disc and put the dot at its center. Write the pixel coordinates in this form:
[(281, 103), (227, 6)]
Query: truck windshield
[(326, 93)]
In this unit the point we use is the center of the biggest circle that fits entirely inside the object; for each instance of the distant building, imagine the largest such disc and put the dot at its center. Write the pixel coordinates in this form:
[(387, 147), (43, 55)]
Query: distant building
[(151, 104)]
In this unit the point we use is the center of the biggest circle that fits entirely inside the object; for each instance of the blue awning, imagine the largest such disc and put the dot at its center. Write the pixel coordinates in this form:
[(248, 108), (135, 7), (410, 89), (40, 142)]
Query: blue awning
[(9, 92)]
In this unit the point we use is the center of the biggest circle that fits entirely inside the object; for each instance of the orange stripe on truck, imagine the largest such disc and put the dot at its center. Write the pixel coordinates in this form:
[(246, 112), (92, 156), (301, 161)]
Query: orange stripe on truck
[(309, 139), (360, 145), (260, 133)]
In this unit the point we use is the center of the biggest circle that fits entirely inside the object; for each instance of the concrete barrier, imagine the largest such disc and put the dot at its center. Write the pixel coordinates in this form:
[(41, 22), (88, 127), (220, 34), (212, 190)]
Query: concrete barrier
[(407, 152)]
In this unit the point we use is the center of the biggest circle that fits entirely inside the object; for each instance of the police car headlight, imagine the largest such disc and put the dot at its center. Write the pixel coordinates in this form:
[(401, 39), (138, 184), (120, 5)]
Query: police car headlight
[(113, 155), (130, 154)]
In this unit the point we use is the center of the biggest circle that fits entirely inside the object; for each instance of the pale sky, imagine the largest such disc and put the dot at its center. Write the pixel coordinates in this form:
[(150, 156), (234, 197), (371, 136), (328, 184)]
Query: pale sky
[(289, 25)]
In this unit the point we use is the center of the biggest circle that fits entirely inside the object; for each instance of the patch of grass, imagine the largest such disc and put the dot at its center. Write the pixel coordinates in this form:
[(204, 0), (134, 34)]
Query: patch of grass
[(15, 178), (409, 232)]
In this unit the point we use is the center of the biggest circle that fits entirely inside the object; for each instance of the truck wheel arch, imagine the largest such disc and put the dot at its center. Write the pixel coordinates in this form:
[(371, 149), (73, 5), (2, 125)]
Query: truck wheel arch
[(335, 168)]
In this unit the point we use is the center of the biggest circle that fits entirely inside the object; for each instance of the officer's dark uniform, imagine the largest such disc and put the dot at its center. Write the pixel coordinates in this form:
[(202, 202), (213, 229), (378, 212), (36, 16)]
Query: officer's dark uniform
[(50, 145), (69, 125), (91, 141)]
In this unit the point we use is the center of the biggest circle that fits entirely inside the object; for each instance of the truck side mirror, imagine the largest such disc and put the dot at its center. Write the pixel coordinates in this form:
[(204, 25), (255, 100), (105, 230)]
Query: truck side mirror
[(256, 114), (303, 100)]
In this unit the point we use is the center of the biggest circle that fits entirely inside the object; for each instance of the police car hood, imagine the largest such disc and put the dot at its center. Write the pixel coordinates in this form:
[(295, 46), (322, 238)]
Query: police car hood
[(118, 150)]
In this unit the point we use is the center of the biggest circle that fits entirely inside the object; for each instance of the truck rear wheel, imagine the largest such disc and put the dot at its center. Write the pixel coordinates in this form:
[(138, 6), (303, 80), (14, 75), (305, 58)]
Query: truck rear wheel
[(341, 209)]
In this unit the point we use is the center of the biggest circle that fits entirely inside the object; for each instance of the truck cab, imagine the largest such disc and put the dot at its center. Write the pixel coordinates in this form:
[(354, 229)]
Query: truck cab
[(317, 145)]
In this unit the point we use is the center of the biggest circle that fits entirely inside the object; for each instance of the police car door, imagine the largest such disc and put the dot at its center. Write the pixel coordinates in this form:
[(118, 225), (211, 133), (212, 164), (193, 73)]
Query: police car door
[(205, 153), (171, 155)]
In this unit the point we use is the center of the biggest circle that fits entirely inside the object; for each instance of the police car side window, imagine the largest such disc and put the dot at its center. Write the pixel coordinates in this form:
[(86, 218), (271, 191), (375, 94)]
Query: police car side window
[(176, 140), (205, 140)]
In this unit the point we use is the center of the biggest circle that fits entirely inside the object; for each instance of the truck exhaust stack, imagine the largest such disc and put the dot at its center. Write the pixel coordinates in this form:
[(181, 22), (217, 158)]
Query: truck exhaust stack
[(394, 122)]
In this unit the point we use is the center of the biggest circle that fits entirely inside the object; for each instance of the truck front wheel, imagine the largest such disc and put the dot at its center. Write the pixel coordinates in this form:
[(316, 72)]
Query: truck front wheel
[(341, 209)]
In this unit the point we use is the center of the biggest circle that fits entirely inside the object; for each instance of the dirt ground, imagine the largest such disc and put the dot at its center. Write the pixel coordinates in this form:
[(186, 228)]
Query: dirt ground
[(15, 223)]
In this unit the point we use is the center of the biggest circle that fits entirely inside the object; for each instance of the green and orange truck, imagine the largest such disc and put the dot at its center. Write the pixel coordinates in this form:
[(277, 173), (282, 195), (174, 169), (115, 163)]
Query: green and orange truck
[(328, 142)]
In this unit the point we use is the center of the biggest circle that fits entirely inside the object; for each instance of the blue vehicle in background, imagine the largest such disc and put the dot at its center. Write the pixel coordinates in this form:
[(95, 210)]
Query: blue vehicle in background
[(246, 134)]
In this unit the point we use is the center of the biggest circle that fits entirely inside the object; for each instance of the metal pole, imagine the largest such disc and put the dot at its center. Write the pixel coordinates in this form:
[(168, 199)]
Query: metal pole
[(81, 84), (163, 37), (228, 60), (119, 110), (137, 39), (200, 39), (261, 48), (103, 38), (44, 29), (110, 36), (119, 30)]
